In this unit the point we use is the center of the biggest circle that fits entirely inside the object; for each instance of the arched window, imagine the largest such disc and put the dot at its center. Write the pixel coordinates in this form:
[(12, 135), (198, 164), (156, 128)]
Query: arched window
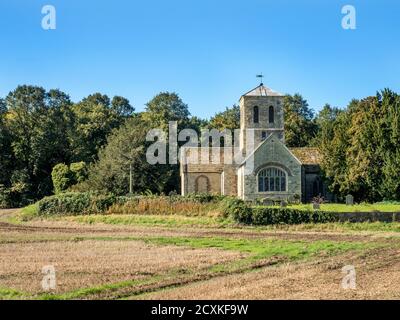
[(271, 114), (272, 180), (256, 115)]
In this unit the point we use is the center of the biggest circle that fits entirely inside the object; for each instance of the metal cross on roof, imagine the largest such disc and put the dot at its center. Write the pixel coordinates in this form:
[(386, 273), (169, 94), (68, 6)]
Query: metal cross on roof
[(261, 78)]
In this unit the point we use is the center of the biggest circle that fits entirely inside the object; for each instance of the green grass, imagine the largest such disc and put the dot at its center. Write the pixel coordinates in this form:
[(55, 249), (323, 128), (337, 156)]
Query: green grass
[(211, 222), (364, 207), (84, 292), (6, 293), (29, 212), (338, 227), (264, 248)]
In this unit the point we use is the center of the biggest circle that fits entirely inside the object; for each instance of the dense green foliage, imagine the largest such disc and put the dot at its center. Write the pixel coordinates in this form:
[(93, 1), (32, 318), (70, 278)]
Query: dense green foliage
[(64, 176), (361, 148), (40, 129), (228, 119), (300, 126), (75, 203)]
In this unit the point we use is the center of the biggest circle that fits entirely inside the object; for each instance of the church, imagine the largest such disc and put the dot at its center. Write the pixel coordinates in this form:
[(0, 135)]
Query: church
[(277, 172)]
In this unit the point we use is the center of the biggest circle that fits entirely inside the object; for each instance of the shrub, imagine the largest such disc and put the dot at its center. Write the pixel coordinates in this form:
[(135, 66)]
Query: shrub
[(75, 203), (202, 197), (242, 213), (237, 209), (62, 178)]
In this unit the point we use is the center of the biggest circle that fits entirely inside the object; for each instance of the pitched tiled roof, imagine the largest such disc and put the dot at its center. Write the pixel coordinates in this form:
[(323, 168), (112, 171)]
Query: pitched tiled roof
[(262, 91), (307, 155)]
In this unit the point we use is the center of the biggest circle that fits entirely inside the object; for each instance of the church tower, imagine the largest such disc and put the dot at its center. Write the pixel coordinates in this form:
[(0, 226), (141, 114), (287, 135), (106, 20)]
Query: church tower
[(261, 112)]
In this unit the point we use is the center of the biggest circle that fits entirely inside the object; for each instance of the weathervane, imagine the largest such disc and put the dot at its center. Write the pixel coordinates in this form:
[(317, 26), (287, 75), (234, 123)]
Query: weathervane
[(261, 78)]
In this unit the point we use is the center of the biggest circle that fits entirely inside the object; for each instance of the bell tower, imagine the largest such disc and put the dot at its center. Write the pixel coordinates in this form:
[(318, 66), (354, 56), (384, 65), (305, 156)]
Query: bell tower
[(261, 113)]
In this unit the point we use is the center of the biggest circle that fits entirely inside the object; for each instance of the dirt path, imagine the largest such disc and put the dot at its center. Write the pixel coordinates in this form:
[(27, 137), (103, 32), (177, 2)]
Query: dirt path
[(7, 213)]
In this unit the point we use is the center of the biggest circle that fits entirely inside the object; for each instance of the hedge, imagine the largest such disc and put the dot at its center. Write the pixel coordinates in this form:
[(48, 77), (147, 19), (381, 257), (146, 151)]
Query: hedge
[(240, 211), (243, 213), (75, 203)]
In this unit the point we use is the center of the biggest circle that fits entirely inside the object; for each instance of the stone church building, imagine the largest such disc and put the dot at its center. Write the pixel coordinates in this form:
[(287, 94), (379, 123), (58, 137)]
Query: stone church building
[(276, 172)]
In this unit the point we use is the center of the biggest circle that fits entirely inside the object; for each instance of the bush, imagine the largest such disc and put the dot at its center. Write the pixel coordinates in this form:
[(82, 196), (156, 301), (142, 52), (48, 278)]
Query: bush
[(237, 209), (62, 178), (65, 177), (75, 203), (243, 213)]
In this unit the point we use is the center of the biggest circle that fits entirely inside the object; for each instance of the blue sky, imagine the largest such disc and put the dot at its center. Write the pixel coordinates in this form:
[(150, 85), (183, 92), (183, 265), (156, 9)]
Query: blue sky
[(207, 51)]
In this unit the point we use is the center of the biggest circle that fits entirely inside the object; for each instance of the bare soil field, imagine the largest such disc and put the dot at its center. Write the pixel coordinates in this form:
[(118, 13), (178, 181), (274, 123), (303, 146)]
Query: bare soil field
[(100, 261), (377, 277), (87, 263)]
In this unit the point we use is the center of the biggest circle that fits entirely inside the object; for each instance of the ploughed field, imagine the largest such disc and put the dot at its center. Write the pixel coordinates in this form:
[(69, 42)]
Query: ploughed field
[(172, 257)]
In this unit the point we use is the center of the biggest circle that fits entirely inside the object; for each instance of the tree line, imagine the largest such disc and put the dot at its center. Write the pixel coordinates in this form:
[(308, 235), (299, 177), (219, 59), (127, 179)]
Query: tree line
[(50, 144)]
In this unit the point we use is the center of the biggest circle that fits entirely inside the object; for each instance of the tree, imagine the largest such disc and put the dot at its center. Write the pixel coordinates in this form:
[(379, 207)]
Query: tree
[(6, 156), (127, 146), (228, 119), (362, 151), (300, 127), (94, 121), (122, 107), (40, 129), (325, 122), (197, 124), (390, 149), (166, 107), (3, 107), (37, 122), (333, 147)]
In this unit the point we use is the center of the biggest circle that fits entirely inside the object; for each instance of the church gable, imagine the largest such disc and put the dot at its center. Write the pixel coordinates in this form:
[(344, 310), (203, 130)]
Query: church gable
[(272, 150), (275, 161)]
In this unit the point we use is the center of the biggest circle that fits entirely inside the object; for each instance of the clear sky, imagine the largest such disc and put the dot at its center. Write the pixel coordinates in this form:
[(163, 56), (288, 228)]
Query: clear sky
[(208, 51)]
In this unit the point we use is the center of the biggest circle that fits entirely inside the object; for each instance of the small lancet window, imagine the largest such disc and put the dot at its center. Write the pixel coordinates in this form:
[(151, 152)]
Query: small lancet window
[(271, 115), (256, 116), (263, 135)]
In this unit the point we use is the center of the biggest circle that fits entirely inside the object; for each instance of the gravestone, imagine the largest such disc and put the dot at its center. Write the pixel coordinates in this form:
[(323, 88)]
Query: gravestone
[(349, 200), (316, 206), (268, 202)]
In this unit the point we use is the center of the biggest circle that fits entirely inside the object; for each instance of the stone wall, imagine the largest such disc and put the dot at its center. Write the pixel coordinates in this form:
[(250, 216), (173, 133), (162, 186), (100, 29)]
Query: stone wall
[(195, 183), (368, 216), (220, 178)]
